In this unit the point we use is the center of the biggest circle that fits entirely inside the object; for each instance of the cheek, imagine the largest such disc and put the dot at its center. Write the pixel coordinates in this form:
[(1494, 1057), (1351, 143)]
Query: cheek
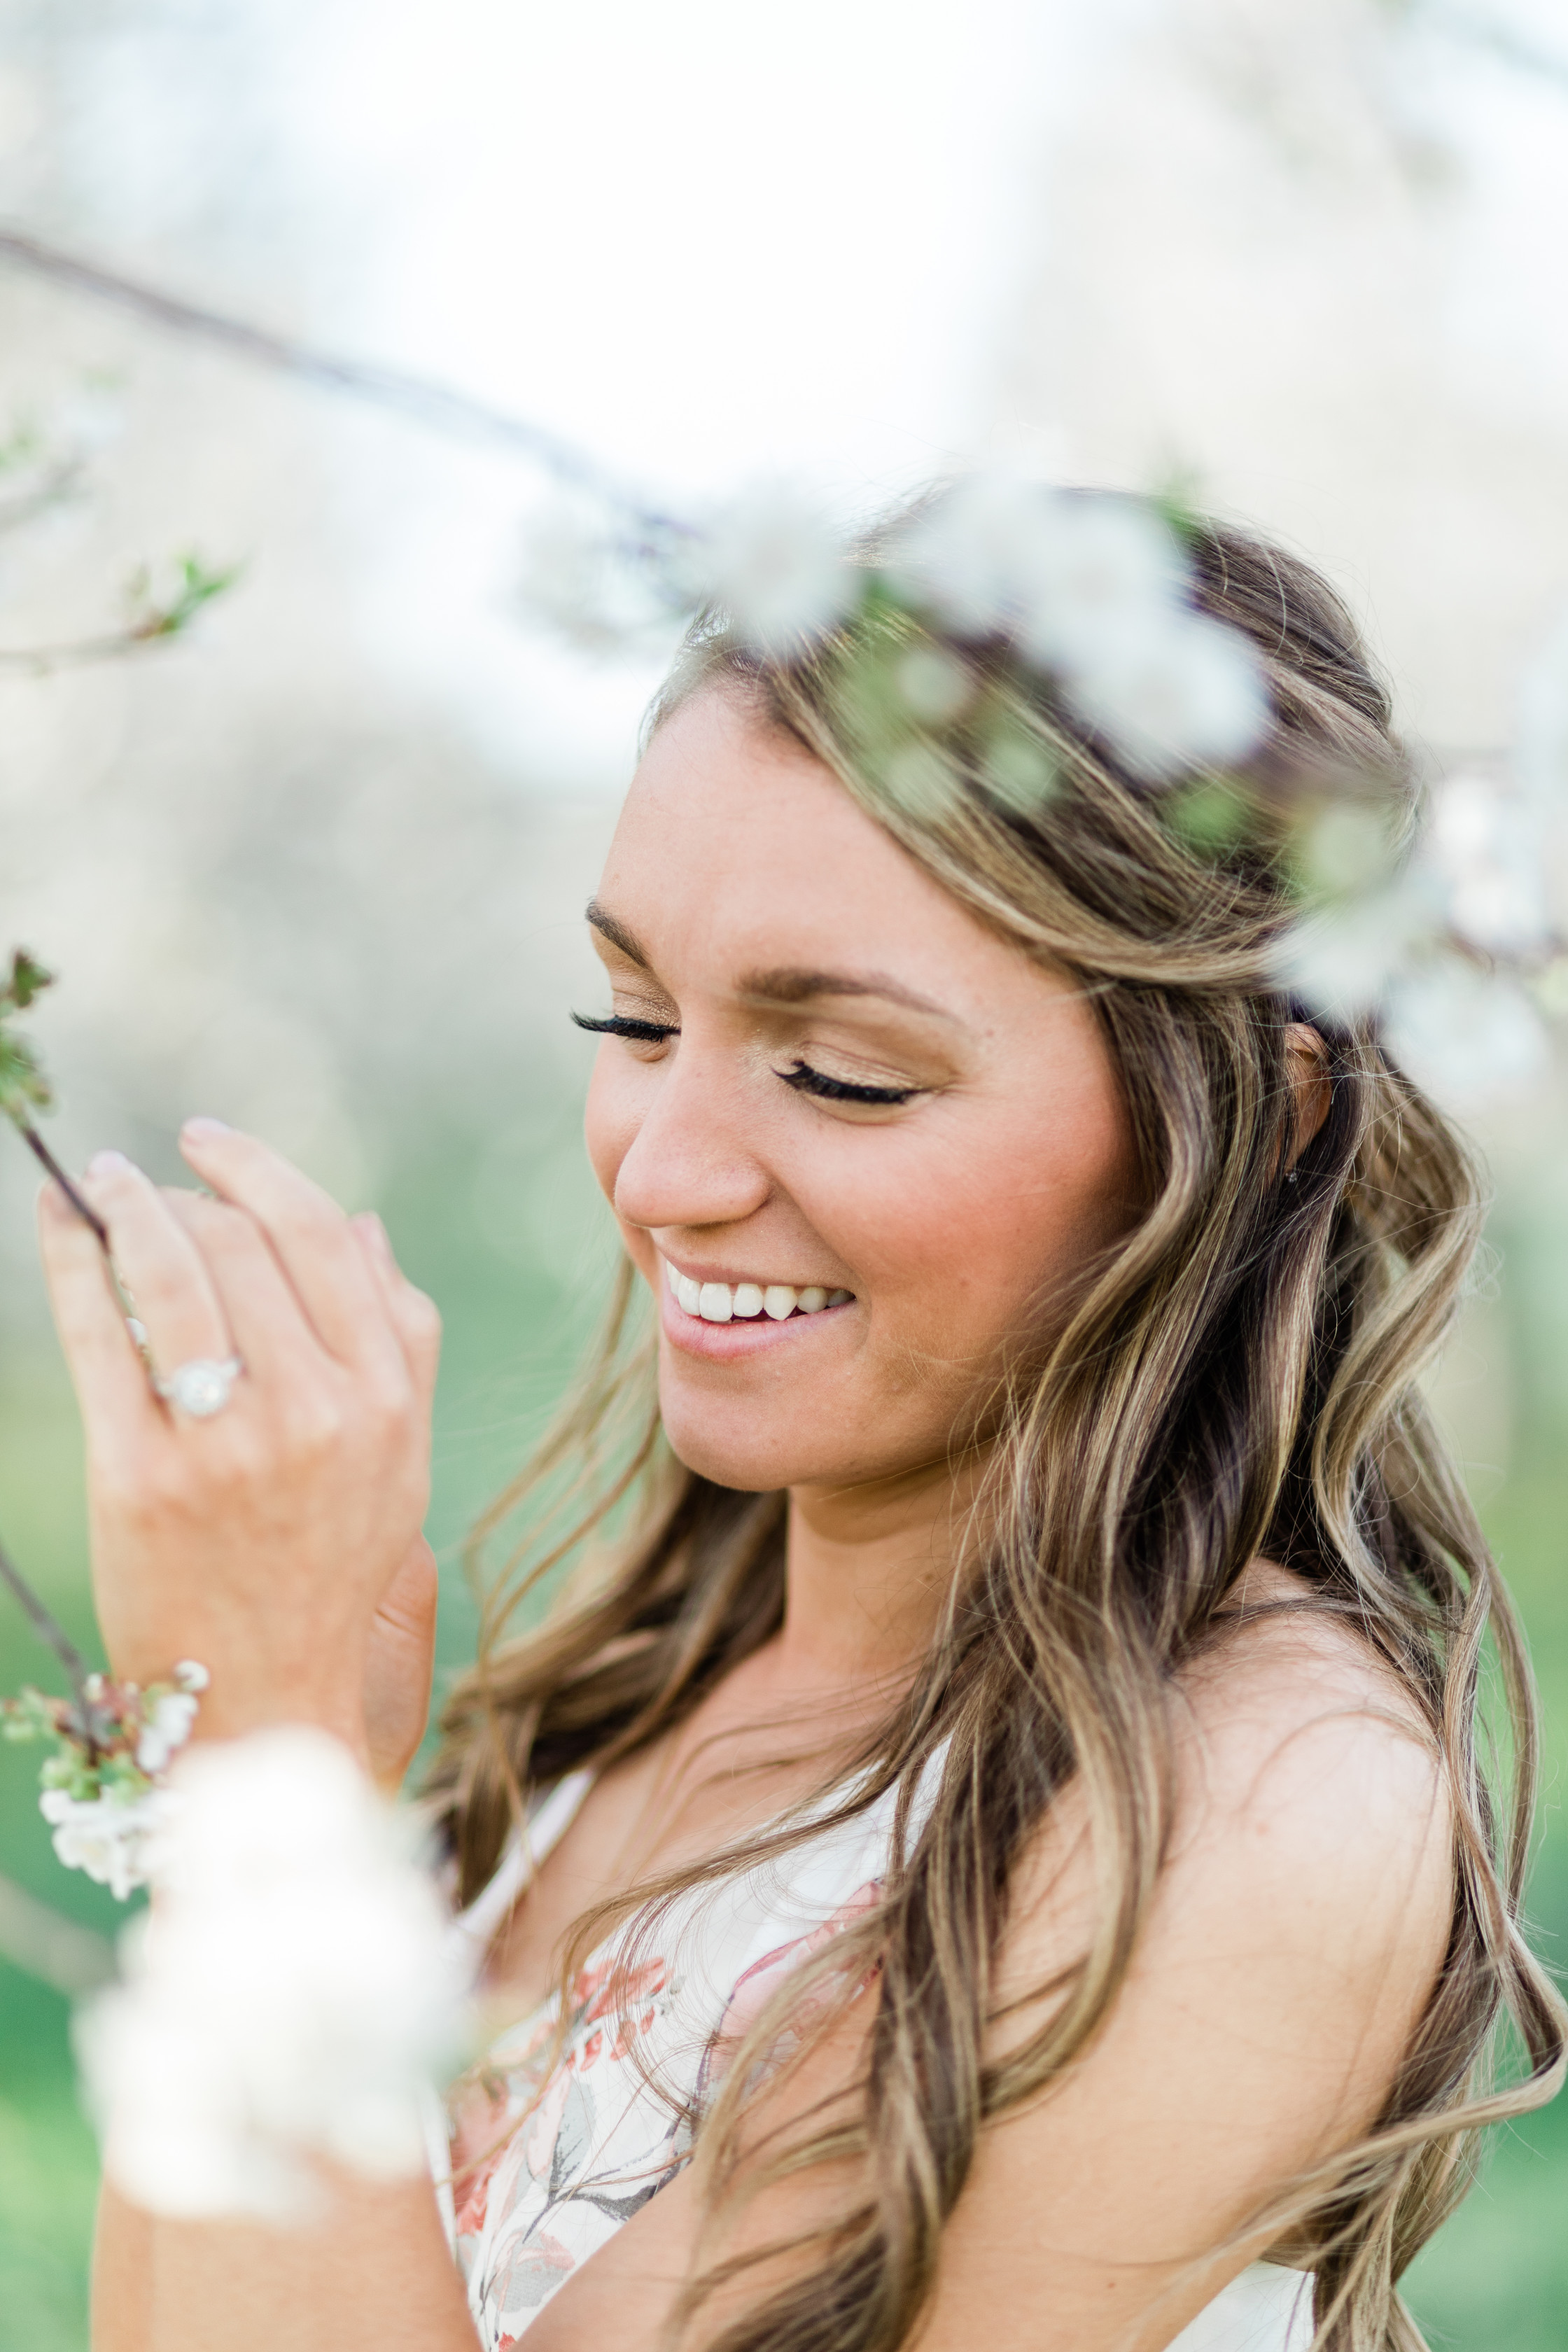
[(993, 1228)]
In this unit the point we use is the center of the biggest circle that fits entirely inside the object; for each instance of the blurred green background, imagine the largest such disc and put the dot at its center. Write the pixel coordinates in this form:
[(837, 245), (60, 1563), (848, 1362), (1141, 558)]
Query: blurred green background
[(319, 870), (1496, 2280)]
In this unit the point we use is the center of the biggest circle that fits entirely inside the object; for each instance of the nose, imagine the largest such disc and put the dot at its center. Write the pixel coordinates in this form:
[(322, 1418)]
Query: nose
[(688, 1163)]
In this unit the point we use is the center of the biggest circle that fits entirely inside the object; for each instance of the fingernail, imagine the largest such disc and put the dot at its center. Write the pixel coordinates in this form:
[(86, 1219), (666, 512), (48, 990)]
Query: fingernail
[(107, 1163), (199, 1129)]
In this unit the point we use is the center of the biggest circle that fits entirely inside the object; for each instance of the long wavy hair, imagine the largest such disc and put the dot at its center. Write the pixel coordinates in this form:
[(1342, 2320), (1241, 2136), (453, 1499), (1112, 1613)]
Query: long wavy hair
[(1239, 1376)]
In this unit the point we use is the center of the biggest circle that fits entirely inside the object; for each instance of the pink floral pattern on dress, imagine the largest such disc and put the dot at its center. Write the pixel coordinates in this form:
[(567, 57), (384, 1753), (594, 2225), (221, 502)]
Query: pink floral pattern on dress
[(561, 2135)]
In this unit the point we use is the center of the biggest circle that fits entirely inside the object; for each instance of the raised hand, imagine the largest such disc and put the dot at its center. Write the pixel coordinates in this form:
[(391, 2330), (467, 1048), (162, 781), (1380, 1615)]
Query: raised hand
[(266, 1539)]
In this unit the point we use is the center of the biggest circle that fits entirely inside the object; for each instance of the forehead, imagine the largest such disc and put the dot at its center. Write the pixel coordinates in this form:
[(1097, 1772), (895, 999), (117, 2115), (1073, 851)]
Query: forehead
[(738, 849)]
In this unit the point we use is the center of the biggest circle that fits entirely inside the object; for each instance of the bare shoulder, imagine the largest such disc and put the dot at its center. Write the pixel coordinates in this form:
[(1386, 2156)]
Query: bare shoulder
[(1311, 1842), (1297, 1740)]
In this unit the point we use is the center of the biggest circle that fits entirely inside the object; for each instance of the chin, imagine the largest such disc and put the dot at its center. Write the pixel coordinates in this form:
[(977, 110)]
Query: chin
[(750, 1460)]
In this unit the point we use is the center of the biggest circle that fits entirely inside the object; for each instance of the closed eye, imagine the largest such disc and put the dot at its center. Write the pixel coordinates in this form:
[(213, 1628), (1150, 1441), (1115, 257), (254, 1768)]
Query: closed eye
[(618, 1025), (807, 1081)]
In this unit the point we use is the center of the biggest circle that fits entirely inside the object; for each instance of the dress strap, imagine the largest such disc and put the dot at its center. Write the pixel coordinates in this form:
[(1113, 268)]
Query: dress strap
[(521, 1856)]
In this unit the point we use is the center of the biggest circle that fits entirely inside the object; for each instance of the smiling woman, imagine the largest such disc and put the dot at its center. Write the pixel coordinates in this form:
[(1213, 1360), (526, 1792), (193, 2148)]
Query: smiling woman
[(995, 1847)]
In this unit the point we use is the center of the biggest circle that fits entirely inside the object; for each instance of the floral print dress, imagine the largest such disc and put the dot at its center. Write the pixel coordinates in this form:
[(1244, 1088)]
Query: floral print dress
[(573, 2121)]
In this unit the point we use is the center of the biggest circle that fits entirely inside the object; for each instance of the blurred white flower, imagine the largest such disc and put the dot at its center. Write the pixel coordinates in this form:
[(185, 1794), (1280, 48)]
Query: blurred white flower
[(1487, 845), (107, 1837), (777, 567), (1344, 849), (578, 577), (1465, 1036), (935, 686), (1340, 960), (167, 1729), (1171, 694), (190, 1675), (979, 554), (1105, 573), (291, 1998)]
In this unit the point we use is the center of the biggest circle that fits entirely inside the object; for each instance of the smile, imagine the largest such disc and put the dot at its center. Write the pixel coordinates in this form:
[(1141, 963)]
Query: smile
[(724, 1302)]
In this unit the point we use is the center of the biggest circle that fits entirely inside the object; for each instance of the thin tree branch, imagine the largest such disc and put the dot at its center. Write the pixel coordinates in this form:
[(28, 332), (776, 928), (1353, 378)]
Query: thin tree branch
[(49, 1631), (434, 405), (51, 1167), (76, 653)]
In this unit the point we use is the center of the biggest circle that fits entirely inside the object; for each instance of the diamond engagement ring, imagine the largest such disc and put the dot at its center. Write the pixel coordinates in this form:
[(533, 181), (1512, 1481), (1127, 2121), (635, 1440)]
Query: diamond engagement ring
[(200, 1387)]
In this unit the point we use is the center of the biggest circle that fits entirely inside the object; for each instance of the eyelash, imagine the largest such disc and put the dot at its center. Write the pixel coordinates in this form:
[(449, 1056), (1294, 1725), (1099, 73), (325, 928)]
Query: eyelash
[(807, 1081), (800, 1074), (616, 1024)]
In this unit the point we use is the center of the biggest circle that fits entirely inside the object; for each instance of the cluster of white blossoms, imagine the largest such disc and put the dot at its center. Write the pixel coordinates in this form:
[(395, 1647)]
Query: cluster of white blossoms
[(290, 1997), (1459, 947), (1454, 948), (1093, 589), (1091, 586)]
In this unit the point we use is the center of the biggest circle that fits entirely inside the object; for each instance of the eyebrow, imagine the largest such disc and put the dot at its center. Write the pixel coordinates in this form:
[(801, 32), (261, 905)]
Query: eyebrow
[(789, 984), (784, 983)]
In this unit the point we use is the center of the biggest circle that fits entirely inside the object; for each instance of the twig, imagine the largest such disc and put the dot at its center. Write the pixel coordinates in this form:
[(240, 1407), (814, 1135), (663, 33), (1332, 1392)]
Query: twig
[(82, 650), (435, 405), (50, 1631), (51, 1166)]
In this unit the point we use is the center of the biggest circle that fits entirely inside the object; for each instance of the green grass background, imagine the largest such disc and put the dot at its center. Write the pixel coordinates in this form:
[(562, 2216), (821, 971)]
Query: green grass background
[(517, 1306)]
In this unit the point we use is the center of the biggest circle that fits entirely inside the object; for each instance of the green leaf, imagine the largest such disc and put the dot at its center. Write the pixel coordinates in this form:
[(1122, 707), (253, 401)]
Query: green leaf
[(24, 1088)]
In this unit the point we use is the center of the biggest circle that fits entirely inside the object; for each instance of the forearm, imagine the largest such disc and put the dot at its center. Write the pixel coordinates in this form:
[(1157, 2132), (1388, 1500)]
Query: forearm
[(121, 2276), (374, 2268)]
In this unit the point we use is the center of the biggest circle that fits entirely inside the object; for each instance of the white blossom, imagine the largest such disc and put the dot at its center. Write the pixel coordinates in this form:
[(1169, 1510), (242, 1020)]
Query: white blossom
[(777, 567), (190, 1675), (1340, 960), (1488, 845), (1175, 693), (1106, 572), (1465, 1036), (166, 1729), (979, 555), (295, 1991), (107, 1837)]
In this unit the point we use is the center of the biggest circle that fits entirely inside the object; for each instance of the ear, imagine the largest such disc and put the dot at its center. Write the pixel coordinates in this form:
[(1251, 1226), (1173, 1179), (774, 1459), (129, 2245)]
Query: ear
[(1307, 1069)]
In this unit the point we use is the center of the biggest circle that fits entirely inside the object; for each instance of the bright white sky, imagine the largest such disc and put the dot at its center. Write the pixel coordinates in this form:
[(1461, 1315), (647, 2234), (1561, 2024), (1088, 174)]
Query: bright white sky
[(706, 241)]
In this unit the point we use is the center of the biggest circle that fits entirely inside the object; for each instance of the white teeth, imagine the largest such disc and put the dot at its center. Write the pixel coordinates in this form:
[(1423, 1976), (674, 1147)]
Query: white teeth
[(720, 1302)]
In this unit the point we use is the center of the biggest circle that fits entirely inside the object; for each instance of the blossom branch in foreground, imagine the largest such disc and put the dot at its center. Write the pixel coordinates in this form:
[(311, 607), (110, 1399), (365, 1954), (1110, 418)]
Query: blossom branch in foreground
[(151, 622), (298, 1991), (24, 1089)]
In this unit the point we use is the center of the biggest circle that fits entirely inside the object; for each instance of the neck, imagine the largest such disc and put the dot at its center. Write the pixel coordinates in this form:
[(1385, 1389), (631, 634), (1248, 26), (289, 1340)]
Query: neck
[(868, 1571)]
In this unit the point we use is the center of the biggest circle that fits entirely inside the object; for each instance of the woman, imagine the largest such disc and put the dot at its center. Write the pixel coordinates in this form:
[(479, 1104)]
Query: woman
[(1002, 1846)]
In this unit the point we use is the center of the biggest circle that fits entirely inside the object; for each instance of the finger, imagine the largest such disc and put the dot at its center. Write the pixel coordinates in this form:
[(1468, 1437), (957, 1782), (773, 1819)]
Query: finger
[(108, 1373), (158, 1263), (415, 1318), (307, 1232), (272, 1331)]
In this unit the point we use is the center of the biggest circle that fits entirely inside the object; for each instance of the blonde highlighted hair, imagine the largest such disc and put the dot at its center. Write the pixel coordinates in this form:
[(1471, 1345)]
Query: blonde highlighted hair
[(1240, 1377)]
